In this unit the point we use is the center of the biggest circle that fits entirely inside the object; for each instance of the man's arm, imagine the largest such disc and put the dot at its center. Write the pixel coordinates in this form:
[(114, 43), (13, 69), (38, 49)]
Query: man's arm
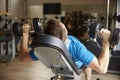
[(101, 64), (88, 72), (24, 49)]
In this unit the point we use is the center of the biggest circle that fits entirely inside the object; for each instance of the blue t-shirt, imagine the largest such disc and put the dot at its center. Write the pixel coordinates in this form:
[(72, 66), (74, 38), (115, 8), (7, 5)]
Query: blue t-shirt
[(77, 50)]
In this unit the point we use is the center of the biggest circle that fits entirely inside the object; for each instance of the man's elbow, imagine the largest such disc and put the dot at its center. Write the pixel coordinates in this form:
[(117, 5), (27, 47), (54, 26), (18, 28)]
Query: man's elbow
[(103, 71), (24, 56), (26, 59)]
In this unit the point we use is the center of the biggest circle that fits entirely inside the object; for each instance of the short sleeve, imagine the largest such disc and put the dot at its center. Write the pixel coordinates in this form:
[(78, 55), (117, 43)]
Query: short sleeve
[(84, 55), (33, 56)]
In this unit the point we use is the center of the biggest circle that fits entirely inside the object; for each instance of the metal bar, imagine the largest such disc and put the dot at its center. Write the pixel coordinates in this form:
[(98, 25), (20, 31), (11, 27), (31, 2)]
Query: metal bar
[(107, 13), (8, 6)]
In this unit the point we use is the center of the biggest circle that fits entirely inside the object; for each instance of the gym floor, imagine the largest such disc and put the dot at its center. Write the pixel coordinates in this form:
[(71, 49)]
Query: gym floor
[(16, 70)]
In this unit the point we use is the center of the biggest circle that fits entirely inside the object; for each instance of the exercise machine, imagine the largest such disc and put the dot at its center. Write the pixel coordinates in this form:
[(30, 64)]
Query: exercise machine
[(54, 54)]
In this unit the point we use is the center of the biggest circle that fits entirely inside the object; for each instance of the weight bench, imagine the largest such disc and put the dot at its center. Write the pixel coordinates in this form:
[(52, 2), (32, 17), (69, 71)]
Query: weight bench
[(54, 54)]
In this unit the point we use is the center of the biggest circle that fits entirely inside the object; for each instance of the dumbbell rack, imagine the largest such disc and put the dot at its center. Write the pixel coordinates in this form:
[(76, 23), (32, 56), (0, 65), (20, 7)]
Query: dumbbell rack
[(7, 40)]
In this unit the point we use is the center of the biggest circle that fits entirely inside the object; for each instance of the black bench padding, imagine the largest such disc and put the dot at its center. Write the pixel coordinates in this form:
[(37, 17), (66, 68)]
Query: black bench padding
[(53, 42)]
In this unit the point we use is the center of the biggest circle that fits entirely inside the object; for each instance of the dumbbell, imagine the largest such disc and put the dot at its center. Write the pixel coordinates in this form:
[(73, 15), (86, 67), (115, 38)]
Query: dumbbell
[(17, 27), (115, 35), (114, 39)]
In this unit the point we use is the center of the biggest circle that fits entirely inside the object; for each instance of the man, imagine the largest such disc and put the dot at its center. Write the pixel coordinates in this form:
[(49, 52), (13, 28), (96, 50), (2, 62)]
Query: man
[(79, 53)]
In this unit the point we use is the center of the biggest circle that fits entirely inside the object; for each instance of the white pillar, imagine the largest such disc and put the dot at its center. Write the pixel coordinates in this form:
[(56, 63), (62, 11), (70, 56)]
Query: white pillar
[(118, 13)]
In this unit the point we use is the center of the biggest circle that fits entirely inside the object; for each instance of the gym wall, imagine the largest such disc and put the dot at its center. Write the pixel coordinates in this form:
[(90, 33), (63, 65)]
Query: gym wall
[(2, 5), (35, 11), (92, 6), (25, 8), (16, 7)]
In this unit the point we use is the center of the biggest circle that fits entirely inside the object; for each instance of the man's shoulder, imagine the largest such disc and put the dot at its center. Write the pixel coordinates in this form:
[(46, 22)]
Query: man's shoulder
[(73, 39)]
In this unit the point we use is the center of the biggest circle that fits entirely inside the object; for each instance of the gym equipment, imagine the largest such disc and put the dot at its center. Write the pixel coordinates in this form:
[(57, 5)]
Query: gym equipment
[(37, 25), (114, 66), (17, 27), (116, 17), (94, 26), (114, 40), (7, 40), (54, 54)]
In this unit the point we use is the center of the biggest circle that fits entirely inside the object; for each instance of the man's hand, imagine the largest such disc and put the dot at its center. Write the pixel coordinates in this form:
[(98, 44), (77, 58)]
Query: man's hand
[(26, 29), (105, 34)]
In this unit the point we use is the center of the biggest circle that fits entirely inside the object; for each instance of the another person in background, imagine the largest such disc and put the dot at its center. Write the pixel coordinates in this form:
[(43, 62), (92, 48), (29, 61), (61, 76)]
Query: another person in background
[(69, 27)]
